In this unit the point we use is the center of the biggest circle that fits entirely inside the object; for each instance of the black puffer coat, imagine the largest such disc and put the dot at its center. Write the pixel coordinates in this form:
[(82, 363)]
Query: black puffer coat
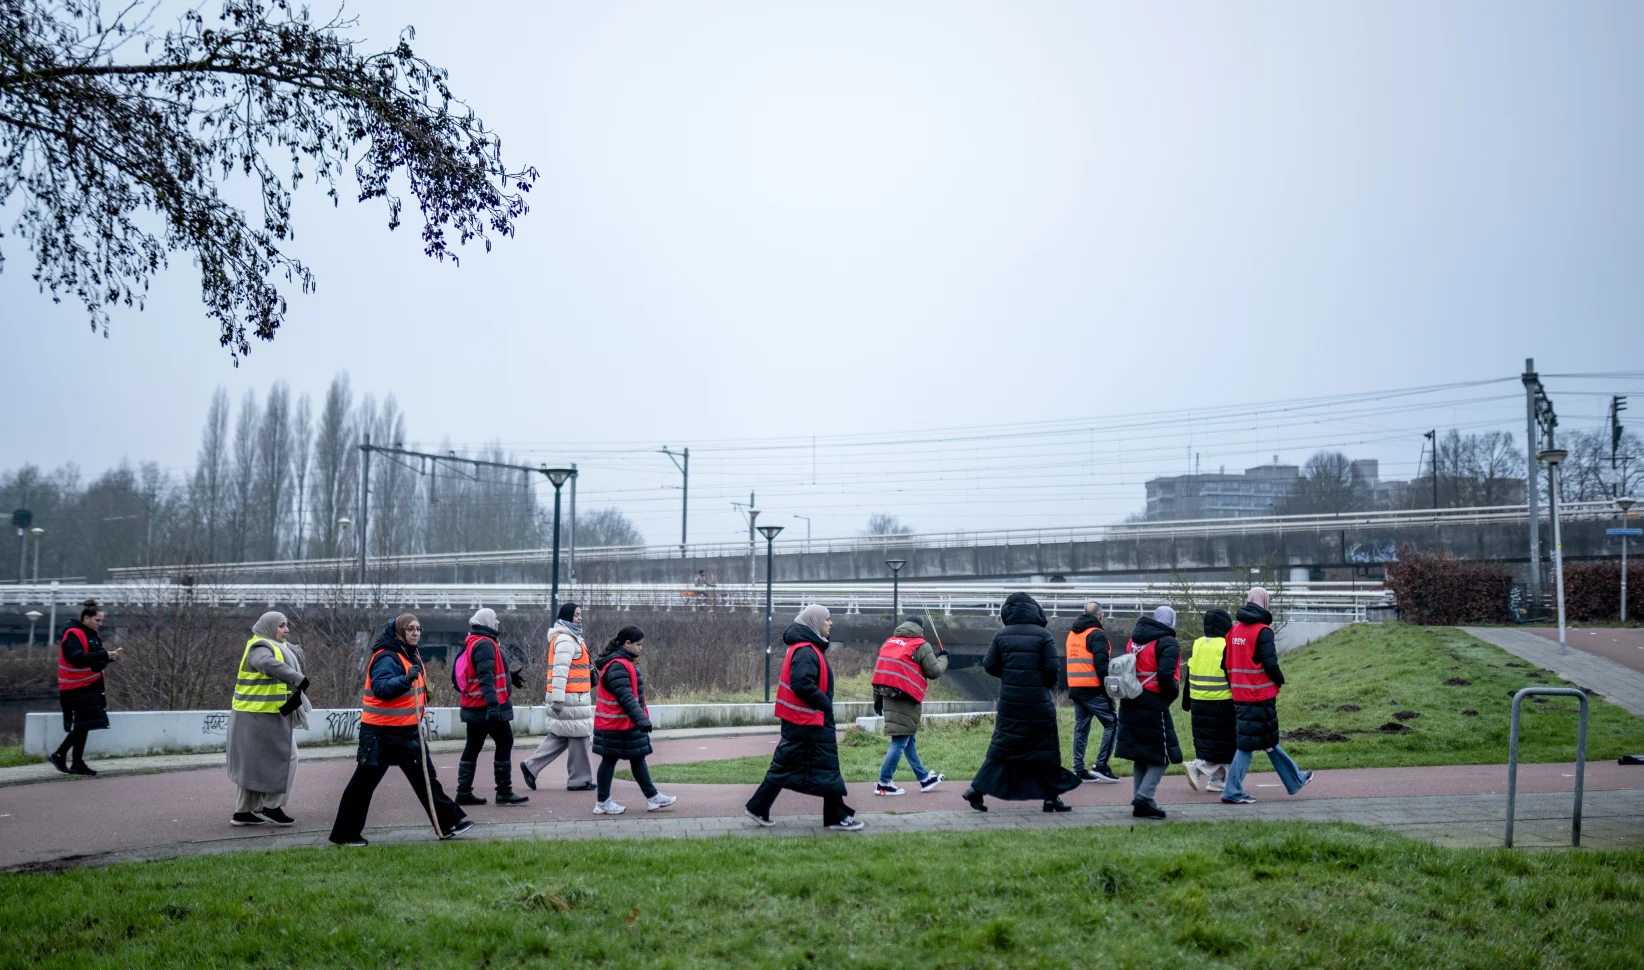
[(1213, 731), (807, 758), (1146, 731), (484, 660), (1025, 659), (1258, 721), (84, 707), (634, 742)]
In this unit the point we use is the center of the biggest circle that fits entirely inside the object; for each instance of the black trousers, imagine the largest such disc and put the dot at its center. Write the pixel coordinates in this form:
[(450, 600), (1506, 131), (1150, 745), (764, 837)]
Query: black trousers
[(76, 740), (502, 732), (607, 771), (834, 808), (356, 799)]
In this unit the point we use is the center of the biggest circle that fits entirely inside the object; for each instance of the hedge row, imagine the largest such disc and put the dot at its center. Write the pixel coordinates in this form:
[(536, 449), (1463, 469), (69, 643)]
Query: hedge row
[(1437, 588), (1592, 591)]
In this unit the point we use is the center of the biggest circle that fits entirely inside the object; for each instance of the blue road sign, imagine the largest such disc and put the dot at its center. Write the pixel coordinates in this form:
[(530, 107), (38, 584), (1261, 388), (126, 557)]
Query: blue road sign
[(1624, 532)]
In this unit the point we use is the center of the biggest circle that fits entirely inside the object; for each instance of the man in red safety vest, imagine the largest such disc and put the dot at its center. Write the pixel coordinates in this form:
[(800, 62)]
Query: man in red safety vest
[(906, 665), (1252, 664)]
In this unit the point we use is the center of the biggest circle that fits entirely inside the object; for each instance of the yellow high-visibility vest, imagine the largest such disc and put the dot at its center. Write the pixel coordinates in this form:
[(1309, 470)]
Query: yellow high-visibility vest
[(256, 692), (1206, 680)]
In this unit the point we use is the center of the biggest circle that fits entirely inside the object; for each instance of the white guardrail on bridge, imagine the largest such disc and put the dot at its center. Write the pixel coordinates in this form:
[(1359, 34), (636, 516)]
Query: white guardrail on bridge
[(1182, 529), (1336, 600)]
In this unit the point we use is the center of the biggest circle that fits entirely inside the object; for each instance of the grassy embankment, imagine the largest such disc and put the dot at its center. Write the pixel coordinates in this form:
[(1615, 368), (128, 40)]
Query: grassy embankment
[(12, 755), (1241, 895), (1369, 696)]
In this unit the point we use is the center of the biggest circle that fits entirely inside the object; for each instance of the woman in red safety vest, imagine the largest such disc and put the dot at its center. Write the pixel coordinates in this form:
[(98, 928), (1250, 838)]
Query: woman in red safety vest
[(1252, 664), (1147, 732), (622, 722), (483, 680), (80, 662), (906, 665), (807, 758), (395, 698)]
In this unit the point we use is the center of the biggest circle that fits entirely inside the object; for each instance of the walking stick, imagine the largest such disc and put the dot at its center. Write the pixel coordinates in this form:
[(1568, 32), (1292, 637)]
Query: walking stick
[(422, 741), (934, 630)]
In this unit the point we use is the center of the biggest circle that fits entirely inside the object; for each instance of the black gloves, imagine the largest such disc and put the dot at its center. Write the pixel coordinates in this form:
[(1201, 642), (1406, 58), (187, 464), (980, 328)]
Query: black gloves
[(644, 725), (878, 704), (302, 686), (292, 703), (517, 679)]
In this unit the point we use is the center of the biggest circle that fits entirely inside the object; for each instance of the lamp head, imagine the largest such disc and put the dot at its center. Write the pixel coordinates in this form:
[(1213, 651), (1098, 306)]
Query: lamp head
[(896, 564), (344, 522), (559, 476), (1552, 456), (33, 615), (769, 531), (37, 532), (1626, 503)]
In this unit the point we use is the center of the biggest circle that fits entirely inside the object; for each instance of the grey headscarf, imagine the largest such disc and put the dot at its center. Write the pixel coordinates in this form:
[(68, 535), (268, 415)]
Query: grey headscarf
[(1166, 615), (813, 616), (268, 626)]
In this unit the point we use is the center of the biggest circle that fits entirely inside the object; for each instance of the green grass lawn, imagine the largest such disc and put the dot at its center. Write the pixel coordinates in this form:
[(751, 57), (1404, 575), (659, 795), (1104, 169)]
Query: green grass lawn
[(12, 755), (1347, 703), (1234, 894)]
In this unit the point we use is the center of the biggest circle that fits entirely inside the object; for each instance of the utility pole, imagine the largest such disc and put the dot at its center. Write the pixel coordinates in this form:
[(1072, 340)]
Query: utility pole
[(682, 461), (365, 501), (571, 566), (1432, 438), (1532, 383)]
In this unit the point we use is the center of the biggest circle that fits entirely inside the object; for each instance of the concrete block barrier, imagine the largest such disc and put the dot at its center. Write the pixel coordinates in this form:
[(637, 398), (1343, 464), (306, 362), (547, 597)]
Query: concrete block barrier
[(875, 724)]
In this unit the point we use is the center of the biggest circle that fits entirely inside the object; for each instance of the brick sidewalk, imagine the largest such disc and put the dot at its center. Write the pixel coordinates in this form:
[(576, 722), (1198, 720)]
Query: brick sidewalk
[(1610, 680), (1610, 820)]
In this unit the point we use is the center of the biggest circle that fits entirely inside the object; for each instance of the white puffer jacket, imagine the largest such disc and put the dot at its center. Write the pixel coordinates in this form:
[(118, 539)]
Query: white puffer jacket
[(576, 718)]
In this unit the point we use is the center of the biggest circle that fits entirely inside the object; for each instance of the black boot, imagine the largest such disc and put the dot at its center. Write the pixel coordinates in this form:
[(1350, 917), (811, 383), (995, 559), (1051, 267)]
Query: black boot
[(465, 784), (504, 771)]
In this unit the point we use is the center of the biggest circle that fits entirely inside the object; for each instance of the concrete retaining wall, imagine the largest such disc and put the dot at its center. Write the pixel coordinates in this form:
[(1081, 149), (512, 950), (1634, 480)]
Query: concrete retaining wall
[(160, 732), (874, 725)]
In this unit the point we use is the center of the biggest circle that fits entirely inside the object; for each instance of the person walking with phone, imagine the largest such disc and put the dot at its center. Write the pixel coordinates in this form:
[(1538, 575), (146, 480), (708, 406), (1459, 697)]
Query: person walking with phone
[(570, 705), (1147, 733), (81, 660), (267, 709), (391, 736), (487, 707), (1024, 759), (622, 723), (1252, 664)]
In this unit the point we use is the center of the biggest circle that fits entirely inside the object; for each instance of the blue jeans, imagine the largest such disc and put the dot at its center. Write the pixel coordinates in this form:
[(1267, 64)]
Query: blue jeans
[(1100, 709), (1289, 773), (899, 746)]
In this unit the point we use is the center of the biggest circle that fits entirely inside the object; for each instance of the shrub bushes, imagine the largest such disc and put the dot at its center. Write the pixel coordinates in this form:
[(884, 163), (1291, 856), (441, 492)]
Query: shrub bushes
[(1438, 588), (1592, 591)]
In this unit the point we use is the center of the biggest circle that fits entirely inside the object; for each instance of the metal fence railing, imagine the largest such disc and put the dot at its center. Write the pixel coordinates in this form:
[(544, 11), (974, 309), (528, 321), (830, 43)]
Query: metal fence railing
[(1581, 756)]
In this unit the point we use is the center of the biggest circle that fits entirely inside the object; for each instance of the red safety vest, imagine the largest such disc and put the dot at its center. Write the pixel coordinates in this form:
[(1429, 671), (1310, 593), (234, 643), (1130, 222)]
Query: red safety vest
[(1244, 674), (1081, 663), (1147, 664), (579, 678), (473, 694), (788, 705), (71, 677), (896, 667), (402, 711), (608, 714)]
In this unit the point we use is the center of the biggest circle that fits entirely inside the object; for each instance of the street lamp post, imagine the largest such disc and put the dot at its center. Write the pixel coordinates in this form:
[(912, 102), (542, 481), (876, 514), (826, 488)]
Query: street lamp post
[(37, 532), (1552, 457), (342, 527), (769, 532), (896, 589), (557, 476), (1626, 504), (34, 616)]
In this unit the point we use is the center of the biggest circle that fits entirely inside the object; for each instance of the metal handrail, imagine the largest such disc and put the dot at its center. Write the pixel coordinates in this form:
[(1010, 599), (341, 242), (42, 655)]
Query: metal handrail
[(1581, 756), (1188, 528)]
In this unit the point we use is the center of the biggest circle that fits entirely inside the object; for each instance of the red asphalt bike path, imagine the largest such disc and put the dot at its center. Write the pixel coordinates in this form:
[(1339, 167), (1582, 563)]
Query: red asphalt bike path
[(54, 820), (1622, 644)]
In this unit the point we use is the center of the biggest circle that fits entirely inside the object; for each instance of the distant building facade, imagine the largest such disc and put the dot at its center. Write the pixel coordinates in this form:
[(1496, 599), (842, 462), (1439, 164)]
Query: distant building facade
[(1257, 491)]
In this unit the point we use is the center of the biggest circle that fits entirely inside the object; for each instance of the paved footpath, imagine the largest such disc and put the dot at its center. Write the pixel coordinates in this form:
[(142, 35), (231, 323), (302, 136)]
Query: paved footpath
[(1621, 685), (150, 816)]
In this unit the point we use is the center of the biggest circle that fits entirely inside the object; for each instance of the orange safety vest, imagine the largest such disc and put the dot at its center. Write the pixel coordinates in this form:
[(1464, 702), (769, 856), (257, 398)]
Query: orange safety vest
[(402, 711), (1081, 663), (788, 705), (1244, 674), (895, 667), (473, 695), (608, 714), (70, 677), (580, 678), (1147, 664)]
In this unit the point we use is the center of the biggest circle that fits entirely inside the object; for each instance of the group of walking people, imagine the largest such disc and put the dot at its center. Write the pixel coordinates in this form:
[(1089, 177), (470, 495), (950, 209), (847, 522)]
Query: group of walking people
[(597, 707)]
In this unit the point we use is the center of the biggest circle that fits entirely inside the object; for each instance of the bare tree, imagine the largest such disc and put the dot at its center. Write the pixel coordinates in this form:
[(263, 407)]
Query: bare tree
[(114, 138), (272, 490), (885, 524), (334, 462), (1328, 486), (302, 451), (607, 527), (211, 476), (243, 472)]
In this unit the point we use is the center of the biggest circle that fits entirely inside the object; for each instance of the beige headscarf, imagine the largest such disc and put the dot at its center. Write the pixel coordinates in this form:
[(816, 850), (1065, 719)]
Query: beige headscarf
[(268, 626), (1260, 597), (813, 616)]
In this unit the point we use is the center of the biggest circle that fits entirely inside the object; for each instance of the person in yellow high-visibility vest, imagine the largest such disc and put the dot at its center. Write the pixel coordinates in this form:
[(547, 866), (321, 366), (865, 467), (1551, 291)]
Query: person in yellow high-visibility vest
[(267, 710), (1209, 699)]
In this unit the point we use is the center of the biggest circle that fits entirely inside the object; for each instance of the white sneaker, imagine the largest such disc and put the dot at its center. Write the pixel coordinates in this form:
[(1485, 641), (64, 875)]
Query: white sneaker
[(659, 800), (1190, 769), (850, 824), (609, 807), (1215, 786)]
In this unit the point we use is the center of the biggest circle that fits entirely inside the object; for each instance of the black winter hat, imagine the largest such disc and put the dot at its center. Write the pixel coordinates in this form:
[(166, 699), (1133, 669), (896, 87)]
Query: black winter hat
[(567, 611), (1217, 623), (916, 621)]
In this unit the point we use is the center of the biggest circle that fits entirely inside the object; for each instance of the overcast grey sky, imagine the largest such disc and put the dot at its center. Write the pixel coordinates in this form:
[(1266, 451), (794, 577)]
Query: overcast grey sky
[(780, 220)]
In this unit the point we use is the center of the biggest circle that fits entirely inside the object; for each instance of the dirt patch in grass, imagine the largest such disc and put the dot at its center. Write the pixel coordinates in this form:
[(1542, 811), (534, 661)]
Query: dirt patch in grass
[(1349, 708), (1394, 727), (1458, 682), (1407, 715), (1469, 713), (1319, 735)]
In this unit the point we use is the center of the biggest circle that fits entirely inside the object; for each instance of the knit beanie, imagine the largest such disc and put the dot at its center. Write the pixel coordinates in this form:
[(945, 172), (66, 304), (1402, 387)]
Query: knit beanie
[(1165, 615), (485, 617)]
